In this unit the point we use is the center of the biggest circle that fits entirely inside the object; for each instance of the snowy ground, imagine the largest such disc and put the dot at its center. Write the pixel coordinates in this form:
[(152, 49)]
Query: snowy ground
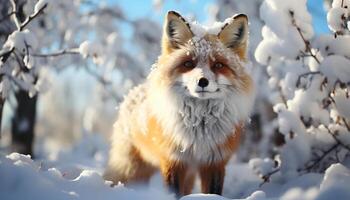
[(76, 174)]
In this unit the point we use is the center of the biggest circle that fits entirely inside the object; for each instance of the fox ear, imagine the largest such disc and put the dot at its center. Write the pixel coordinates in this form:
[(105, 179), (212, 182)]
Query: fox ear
[(176, 31), (234, 34)]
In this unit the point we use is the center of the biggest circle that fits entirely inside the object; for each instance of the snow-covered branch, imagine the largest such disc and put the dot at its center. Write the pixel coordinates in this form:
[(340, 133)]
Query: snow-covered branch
[(310, 77)]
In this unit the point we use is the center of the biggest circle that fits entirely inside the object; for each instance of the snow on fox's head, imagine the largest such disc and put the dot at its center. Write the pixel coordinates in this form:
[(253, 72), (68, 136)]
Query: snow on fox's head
[(204, 62)]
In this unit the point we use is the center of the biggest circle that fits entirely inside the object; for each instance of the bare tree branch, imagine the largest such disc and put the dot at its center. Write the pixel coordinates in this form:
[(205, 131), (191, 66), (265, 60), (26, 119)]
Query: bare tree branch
[(31, 17), (58, 53), (266, 178), (7, 16), (319, 159), (305, 75), (346, 123), (14, 17), (306, 42)]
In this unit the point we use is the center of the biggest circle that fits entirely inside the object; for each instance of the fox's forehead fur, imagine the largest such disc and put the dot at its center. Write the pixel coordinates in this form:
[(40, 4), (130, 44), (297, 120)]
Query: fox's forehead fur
[(204, 48)]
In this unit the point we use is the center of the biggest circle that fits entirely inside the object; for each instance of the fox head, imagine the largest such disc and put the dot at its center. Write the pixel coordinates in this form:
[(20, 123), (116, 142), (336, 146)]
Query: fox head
[(204, 63)]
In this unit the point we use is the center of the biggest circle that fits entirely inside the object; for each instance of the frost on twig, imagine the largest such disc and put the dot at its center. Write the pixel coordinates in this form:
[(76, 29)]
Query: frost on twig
[(264, 168)]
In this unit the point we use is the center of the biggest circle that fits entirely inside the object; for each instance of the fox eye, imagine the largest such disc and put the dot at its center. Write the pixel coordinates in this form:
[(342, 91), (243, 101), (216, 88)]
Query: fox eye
[(189, 64), (218, 65)]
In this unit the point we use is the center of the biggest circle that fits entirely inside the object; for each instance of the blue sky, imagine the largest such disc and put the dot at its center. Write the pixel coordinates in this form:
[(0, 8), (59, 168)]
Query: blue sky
[(319, 16), (143, 8)]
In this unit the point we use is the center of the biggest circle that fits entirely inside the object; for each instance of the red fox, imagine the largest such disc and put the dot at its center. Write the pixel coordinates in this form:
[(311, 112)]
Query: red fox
[(186, 119)]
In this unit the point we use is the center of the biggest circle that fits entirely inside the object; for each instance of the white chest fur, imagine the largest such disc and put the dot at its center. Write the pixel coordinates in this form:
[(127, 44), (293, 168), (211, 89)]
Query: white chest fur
[(199, 126)]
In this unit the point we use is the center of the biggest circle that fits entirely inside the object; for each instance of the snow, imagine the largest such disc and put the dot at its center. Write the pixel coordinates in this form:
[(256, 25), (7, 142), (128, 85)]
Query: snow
[(257, 195), (91, 49), (329, 45), (309, 78), (338, 3), (276, 15), (199, 30), (19, 40), (307, 103), (75, 173), (50, 5), (299, 193), (29, 61), (334, 18), (263, 167), (23, 178), (40, 4), (342, 102), (335, 184), (336, 67), (337, 16), (340, 132), (288, 120), (273, 46), (311, 115), (320, 136), (203, 197), (279, 31)]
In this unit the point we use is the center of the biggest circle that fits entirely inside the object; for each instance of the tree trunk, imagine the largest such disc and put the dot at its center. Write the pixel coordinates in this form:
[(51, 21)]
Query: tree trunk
[(23, 123), (2, 102)]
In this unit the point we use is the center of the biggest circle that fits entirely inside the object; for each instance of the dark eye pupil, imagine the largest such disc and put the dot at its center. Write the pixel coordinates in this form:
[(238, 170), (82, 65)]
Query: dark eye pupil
[(218, 65), (189, 64)]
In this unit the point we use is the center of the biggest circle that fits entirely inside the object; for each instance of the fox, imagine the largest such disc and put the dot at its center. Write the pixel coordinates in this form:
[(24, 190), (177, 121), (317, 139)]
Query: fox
[(187, 118)]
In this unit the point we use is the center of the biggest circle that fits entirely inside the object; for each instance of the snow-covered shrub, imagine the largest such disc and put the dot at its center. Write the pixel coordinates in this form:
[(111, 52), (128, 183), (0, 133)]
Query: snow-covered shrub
[(310, 78)]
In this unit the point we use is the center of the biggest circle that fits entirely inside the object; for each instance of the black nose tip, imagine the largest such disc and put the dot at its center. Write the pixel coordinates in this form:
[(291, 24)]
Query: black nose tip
[(203, 82)]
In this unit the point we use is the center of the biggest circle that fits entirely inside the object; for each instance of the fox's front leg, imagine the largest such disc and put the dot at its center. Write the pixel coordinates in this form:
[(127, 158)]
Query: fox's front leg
[(212, 178), (174, 174)]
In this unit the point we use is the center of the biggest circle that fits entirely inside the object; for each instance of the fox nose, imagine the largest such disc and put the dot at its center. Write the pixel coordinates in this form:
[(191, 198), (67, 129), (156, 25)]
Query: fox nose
[(203, 82)]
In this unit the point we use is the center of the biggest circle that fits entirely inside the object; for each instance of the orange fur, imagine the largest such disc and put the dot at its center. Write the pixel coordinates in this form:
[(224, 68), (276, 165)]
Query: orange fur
[(142, 145), (154, 145)]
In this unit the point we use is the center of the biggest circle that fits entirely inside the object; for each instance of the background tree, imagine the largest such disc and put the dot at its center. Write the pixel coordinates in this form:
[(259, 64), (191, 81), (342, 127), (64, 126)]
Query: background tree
[(41, 37)]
